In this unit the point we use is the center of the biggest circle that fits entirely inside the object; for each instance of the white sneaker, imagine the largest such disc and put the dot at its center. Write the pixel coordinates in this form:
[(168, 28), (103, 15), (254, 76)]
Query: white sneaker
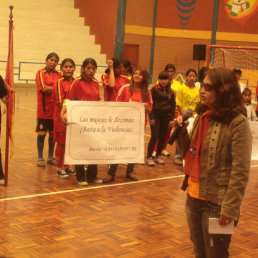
[(159, 160), (83, 183), (150, 162), (2, 181), (98, 181), (154, 154), (62, 173), (165, 153), (178, 161)]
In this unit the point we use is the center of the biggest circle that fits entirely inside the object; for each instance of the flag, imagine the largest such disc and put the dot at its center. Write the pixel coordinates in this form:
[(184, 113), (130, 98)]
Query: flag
[(9, 80)]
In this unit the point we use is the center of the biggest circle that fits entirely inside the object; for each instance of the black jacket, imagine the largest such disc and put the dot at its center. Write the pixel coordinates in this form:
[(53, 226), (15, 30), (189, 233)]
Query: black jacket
[(163, 102)]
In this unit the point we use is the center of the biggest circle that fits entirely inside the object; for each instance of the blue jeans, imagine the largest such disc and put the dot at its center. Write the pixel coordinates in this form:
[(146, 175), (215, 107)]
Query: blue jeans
[(113, 167), (205, 245)]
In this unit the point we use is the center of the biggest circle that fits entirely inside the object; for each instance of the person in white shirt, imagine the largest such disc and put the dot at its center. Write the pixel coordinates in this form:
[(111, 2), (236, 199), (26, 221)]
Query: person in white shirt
[(251, 115)]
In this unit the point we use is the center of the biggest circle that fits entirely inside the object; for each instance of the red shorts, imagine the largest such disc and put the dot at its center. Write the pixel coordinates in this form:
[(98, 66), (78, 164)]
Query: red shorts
[(59, 137)]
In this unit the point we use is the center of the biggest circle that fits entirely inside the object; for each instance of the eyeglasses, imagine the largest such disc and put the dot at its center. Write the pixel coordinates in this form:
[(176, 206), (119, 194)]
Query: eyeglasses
[(207, 86)]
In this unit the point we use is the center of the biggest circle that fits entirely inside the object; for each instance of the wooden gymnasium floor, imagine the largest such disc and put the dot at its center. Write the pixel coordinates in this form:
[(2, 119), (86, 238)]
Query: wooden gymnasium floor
[(43, 215)]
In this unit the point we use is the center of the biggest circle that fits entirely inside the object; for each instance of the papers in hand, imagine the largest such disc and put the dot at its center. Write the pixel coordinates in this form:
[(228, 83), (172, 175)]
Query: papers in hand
[(215, 228)]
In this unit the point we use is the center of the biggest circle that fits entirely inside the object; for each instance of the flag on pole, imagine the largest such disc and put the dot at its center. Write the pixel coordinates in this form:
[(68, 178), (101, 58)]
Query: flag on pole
[(9, 80)]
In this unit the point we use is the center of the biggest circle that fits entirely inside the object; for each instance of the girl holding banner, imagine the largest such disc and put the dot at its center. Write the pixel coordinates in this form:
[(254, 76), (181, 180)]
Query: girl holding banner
[(136, 91), (84, 88)]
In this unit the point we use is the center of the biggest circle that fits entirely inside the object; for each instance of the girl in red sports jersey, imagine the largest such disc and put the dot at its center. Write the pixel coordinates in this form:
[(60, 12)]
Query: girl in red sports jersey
[(84, 88), (136, 91), (60, 93), (112, 81), (45, 80)]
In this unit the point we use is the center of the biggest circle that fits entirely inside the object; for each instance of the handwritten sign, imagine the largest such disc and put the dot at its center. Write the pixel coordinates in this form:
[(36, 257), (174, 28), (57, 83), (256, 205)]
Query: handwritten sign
[(104, 132), (254, 131)]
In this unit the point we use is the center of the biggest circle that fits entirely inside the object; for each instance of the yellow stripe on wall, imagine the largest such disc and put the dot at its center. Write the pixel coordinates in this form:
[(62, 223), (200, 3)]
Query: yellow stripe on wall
[(190, 34)]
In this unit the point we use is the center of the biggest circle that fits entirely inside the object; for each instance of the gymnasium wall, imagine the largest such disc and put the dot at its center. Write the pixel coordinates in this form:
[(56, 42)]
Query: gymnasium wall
[(180, 25), (100, 15)]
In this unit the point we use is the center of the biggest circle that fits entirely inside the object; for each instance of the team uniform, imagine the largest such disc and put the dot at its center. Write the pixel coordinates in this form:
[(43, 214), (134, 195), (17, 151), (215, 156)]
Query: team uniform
[(60, 93), (124, 95), (45, 103), (85, 91), (110, 93), (188, 97)]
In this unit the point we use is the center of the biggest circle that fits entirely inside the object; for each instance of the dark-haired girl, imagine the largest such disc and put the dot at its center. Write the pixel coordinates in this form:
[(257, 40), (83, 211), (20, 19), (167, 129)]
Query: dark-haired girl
[(136, 91), (175, 85), (45, 80), (60, 93), (86, 88), (112, 81), (163, 112)]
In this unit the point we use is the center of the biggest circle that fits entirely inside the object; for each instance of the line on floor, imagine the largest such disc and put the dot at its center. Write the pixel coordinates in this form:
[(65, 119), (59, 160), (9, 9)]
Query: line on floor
[(89, 188)]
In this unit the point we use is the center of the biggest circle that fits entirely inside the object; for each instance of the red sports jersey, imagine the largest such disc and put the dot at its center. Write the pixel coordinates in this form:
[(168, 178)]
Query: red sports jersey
[(60, 93), (45, 105), (124, 95), (84, 90), (110, 93)]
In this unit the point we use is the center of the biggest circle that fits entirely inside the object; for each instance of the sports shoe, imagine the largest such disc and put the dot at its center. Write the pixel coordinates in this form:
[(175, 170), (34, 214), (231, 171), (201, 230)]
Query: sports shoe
[(41, 163), (62, 173), (2, 181), (150, 162), (165, 153), (83, 183), (131, 177), (70, 171), (98, 181), (159, 160), (51, 161), (154, 154), (178, 161)]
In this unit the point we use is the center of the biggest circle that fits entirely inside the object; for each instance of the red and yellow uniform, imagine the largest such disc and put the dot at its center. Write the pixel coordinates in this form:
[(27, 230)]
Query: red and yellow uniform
[(60, 93), (84, 90), (46, 103), (124, 95), (110, 93)]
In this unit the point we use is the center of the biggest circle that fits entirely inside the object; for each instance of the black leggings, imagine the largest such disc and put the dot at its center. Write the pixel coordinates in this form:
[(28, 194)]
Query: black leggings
[(89, 175), (158, 132)]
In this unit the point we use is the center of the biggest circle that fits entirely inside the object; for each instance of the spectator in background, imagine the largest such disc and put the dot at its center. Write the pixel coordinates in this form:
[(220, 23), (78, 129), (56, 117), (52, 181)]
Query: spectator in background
[(201, 75), (175, 85), (246, 94), (188, 97), (161, 116), (126, 69), (238, 74)]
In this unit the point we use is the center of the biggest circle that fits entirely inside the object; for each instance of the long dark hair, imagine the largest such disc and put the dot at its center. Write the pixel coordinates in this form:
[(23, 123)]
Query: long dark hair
[(144, 85), (229, 102)]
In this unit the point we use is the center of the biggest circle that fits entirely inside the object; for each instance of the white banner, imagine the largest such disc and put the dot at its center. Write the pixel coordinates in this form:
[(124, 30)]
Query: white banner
[(104, 132), (254, 131)]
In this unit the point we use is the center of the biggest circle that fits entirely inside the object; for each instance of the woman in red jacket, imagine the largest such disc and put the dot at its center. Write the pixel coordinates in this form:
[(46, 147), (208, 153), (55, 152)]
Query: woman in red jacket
[(60, 93), (84, 88), (136, 91), (45, 80)]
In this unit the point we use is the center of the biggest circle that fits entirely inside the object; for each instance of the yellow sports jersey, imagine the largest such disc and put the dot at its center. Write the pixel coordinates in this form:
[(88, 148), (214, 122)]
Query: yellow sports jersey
[(188, 97), (175, 85)]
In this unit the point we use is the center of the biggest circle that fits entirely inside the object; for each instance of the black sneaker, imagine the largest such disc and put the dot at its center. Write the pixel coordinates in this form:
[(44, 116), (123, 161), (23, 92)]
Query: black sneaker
[(62, 173), (70, 171)]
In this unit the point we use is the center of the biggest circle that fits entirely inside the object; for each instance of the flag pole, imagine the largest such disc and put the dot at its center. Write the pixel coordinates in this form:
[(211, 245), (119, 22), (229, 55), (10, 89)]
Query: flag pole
[(7, 107)]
